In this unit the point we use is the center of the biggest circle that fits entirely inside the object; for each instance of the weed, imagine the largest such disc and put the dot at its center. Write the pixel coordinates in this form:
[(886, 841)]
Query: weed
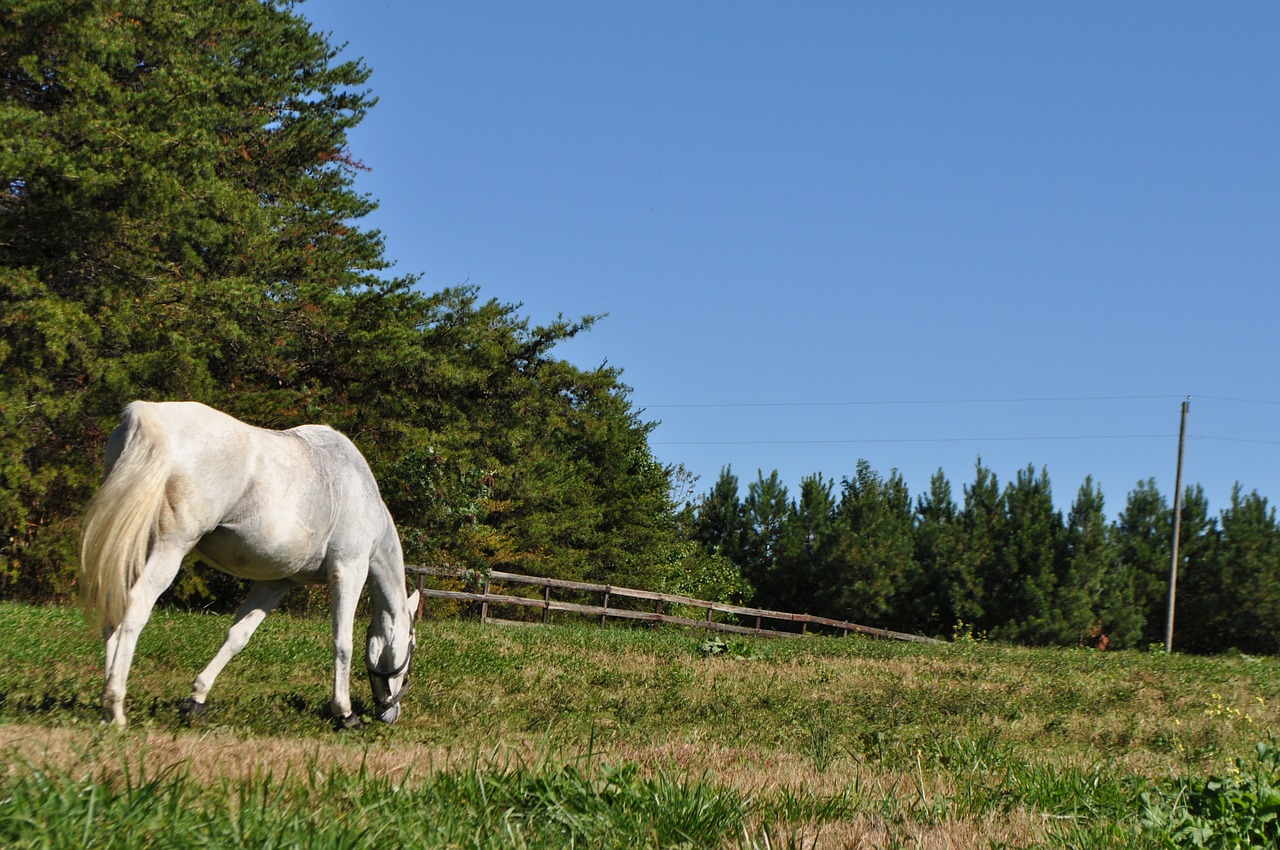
[(962, 633), (737, 650), (1239, 808)]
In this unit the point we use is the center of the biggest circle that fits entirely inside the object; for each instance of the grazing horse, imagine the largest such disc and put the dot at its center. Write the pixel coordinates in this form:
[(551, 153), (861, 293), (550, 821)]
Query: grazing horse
[(279, 508)]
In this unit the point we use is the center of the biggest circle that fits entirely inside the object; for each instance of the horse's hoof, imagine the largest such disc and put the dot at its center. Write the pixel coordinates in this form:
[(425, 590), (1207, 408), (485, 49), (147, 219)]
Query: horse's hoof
[(350, 721), (190, 709)]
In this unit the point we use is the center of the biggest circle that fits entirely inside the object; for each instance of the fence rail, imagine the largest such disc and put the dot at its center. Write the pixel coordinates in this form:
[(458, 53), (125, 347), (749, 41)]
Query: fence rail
[(604, 611)]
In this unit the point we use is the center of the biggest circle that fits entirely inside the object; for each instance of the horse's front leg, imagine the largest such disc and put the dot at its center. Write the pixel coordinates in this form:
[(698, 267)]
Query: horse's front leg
[(261, 600), (345, 582)]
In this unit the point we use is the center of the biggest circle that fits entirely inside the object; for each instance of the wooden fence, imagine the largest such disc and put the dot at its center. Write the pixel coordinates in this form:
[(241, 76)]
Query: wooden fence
[(653, 610)]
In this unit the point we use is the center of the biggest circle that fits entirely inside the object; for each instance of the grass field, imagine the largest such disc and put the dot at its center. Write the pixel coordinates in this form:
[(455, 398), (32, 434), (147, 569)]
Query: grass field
[(572, 735)]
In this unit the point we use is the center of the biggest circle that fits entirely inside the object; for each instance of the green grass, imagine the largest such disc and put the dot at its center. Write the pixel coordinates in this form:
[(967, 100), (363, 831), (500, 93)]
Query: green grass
[(538, 809), (576, 735)]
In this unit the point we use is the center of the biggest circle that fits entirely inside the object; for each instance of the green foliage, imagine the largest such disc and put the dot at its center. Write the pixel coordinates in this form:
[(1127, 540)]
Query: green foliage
[(715, 528), (437, 506), (698, 575), (1201, 624), (976, 577), (765, 512), (718, 521), (732, 648), (802, 565), (1005, 562), (873, 575), (1101, 581), (1239, 606), (1240, 808), (1144, 537), (946, 599), (1029, 562), (179, 220)]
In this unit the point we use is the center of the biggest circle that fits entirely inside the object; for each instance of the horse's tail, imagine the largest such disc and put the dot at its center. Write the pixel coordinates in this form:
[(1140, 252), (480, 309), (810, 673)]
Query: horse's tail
[(123, 519)]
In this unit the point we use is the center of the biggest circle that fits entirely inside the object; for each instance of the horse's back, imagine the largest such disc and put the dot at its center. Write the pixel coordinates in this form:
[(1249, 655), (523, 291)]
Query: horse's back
[(260, 503), (192, 432), (361, 515)]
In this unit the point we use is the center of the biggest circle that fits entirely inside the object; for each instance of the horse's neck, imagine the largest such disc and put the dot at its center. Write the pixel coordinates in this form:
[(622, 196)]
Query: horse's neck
[(387, 594)]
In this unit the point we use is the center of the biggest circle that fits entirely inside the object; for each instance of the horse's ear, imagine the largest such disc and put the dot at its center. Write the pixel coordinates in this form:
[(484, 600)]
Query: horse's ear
[(413, 604)]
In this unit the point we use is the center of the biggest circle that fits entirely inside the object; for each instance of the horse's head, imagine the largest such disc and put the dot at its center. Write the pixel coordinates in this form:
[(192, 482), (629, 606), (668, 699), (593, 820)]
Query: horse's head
[(388, 657)]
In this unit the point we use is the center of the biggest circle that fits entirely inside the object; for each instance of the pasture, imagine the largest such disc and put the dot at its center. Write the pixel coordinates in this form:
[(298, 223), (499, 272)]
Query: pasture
[(573, 735)]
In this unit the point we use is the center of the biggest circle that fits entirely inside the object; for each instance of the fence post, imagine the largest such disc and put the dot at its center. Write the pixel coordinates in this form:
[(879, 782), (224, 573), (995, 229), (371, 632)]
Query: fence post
[(605, 606), (484, 606), (546, 604)]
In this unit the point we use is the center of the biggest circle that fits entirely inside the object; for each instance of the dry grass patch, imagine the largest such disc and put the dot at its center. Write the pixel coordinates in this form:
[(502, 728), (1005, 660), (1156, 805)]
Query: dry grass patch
[(216, 756)]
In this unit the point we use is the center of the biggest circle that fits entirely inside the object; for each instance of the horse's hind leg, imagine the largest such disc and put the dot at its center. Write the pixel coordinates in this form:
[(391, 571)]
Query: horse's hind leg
[(161, 568), (263, 597)]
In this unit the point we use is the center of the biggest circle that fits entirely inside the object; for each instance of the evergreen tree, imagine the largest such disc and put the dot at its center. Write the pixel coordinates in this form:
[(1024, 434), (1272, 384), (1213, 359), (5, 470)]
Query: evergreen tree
[(719, 522), (765, 510), (1199, 624), (949, 595), (873, 577), (804, 550), (978, 586), (1144, 534), (1242, 601), (1030, 560), (1096, 601)]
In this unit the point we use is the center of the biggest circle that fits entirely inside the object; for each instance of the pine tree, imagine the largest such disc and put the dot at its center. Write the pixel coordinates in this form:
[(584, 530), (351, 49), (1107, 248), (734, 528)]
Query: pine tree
[(1242, 600), (1030, 561), (719, 522), (1199, 622), (978, 589), (804, 550), (765, 511), (873, 577), (1143, 538), (1096, 601), (949, 596)]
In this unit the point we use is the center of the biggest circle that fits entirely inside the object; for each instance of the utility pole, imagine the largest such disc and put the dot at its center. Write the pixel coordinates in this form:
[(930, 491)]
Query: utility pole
[(1177, 530)]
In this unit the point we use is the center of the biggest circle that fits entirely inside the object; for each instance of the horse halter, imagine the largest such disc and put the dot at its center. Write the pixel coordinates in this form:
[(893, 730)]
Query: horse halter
[(383, 706)]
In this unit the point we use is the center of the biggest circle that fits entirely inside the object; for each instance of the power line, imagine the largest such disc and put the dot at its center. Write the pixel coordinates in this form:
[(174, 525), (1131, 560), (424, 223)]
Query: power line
[(908, 440), (872, 440), (1234, 439), (1237, 400), (968, 401), (886, 403)]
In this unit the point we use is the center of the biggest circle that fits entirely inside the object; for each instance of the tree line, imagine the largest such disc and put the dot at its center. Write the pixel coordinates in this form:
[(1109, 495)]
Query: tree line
[(1001, 561)]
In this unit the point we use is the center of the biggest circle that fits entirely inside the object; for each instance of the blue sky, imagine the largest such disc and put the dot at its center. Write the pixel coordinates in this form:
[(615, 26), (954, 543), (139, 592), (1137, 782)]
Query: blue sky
[(915, 233)]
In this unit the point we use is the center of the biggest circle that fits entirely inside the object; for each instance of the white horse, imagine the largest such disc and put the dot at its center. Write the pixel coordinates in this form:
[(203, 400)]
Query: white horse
[(280, 508)]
